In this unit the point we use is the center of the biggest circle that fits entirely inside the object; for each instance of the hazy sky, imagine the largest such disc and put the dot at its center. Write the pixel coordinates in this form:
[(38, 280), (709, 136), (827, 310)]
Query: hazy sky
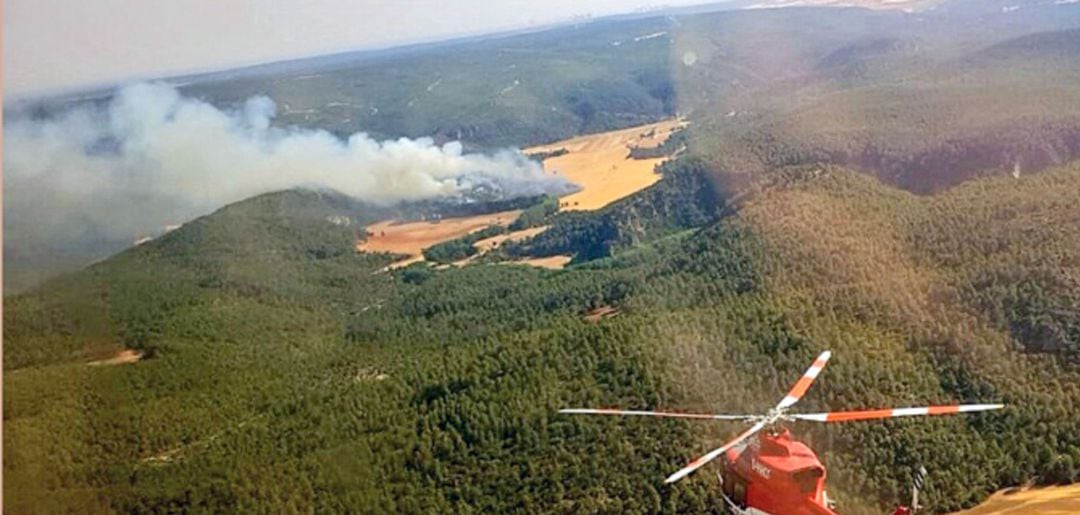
[(52, 45)]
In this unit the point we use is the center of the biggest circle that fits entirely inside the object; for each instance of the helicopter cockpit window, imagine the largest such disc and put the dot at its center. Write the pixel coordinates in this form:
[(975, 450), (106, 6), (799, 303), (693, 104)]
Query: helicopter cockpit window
[(808, 479), (739, 493)]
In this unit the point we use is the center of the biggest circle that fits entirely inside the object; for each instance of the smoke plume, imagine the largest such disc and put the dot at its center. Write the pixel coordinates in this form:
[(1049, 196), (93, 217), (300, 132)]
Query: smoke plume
[(153, 157)]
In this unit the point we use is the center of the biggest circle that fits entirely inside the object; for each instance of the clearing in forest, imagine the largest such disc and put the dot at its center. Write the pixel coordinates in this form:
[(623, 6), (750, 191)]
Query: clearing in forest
[(122, 357), (599, 163), (602, 166), (1053, 499), (488, 244), (553, 262), (600, 313), (411, 238)]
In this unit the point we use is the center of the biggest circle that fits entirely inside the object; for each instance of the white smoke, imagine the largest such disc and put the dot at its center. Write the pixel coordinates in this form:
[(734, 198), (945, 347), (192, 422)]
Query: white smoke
[(152, 157)]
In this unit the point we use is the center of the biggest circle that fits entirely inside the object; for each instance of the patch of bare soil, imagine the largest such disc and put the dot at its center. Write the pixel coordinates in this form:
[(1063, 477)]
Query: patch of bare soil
[(123, 357), (1055, 500), (370, 374), (552, 262), (600, 313)]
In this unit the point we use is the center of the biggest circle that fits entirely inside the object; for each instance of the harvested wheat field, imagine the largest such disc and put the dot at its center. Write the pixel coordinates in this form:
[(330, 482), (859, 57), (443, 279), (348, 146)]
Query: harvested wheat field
[(411, 238), (601, 163), (1054, 500), (488, 244)]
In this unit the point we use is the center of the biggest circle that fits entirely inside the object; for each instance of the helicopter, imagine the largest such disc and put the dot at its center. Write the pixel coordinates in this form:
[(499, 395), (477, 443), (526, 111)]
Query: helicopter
[(765, 470)]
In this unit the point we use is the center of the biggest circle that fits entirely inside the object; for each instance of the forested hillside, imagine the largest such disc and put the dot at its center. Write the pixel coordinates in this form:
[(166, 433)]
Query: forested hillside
[(282, 373), (918, 113), (687, 197), (898, 188), (921, 100)]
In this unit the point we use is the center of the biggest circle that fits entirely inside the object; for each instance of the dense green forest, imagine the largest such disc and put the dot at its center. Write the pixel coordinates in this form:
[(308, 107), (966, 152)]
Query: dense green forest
[(283, 374), (687, 197), (900, 189)]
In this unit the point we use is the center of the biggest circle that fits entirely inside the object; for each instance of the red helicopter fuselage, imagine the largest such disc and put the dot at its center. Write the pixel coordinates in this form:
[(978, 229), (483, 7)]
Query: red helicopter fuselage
[(773, 473)]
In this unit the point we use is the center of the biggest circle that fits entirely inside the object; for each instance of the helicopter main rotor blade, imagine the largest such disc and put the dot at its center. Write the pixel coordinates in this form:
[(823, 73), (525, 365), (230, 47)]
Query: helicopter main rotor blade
[(804, 382), (669, 414), (712, 455), (847, 416)]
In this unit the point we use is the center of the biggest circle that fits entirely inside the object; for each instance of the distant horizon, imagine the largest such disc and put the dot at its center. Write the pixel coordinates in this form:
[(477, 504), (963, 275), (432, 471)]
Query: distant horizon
[(38, 81), (92, 88)]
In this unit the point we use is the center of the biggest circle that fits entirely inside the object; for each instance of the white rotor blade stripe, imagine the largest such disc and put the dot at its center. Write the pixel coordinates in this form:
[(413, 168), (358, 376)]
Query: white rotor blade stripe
[(700, 462), (671, 414), (846, 416), (804, 382)]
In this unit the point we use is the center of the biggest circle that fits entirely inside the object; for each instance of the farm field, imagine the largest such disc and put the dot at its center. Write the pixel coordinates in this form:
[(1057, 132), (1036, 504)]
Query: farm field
[(1048, 500), (600, 163), (411, 238), (494, 241), (489, 244), (602, 166)]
